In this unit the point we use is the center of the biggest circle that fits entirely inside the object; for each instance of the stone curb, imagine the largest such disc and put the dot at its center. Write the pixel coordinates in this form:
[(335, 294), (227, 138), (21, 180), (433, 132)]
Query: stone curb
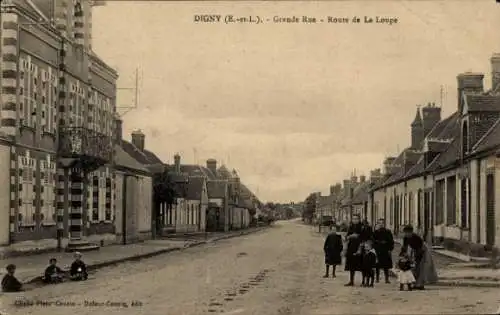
[(108, 263)]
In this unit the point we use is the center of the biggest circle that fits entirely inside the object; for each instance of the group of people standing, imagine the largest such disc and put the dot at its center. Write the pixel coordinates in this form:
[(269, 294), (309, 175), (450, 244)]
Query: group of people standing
[(369, 251)]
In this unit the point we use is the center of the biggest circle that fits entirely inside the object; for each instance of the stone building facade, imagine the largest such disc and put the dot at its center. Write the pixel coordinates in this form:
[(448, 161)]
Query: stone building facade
[(52, 80)]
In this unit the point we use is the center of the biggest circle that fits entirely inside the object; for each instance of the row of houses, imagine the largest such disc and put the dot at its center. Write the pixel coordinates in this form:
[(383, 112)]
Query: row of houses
[(69, 178), (446, 183)]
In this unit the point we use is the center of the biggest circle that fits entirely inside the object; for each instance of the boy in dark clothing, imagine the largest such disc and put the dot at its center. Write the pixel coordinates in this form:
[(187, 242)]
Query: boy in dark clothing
[(369, 263), (333, 250), (78, 270), (53, 273), (10, 282)]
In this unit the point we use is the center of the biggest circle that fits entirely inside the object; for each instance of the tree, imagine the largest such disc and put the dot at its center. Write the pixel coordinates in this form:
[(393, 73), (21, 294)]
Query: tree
[(163, 193), (309, 208)]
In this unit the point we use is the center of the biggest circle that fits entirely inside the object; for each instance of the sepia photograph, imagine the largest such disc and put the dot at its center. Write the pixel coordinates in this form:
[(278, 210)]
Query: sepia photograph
[(272, 157)]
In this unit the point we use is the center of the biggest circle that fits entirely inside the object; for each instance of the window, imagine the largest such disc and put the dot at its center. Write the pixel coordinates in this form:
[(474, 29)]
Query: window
[(419, 208), (440, 191), (391, 211), (465, 139), (464, 215), (27, 197), (410, 208), (451, 211)]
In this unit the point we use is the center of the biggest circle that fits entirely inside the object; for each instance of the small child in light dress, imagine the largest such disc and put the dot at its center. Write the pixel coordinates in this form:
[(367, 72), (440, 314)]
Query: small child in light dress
[(405, 275)]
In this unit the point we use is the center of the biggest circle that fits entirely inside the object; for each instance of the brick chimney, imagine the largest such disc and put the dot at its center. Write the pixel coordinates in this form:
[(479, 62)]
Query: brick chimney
[(212, 166), (468, 83), (347, 186), (417, 131), (431, 116), (332, 190), (138, 139), (177, 163), (495, 71)]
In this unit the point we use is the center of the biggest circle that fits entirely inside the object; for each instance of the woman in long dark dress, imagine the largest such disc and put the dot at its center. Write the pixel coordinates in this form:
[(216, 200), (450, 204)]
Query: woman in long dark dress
[(384, 245), (333, 251), (425, 271), (353, 255)]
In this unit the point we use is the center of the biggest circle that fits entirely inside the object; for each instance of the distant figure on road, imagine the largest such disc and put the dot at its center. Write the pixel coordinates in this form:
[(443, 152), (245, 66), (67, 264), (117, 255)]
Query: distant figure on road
[(425, 271), (369, 264), (10, 282), (353, 255), (78, 270), (384, 245), (333, 250)]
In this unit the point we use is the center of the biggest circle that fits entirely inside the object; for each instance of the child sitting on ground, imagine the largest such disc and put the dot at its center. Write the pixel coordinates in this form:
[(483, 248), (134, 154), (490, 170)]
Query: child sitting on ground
[(10, 282), (405, 275), (53, 273), (78, 270)]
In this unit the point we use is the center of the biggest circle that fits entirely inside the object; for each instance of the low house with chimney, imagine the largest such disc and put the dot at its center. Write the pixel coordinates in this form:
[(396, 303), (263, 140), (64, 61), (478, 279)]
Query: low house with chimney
[(136, 148), (133, 199), (328, 206), (445, 182), (189, 209), (324, 211), (133, 191)]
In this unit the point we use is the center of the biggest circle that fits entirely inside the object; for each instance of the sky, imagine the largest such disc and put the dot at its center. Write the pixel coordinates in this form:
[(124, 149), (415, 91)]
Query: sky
[(294, 108)]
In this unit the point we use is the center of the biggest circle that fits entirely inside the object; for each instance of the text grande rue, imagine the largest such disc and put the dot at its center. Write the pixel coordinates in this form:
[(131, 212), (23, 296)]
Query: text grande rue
[(335, 20)]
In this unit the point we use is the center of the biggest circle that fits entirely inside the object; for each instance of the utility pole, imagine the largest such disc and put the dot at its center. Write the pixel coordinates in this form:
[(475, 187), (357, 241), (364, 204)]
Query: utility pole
[(135, 104), (441, 95)]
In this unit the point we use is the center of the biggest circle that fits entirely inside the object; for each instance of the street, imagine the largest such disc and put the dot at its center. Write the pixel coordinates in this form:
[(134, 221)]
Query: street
[(275, 271)]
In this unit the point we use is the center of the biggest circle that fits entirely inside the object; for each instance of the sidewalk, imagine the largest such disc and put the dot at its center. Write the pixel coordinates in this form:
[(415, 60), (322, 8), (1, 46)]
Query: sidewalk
[(30, 268), (455, 272)]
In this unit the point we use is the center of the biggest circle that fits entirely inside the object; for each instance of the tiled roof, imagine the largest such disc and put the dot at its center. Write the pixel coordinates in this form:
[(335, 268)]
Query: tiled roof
[(223, 172), (416, 169), (123, 159), (361, 193), (217, 188), (446, 129), (440, 129), (448, 157), (482, 102), (399, 173), (197, 170), (144, 157), (194, 187), (436, 146), (490, 140)]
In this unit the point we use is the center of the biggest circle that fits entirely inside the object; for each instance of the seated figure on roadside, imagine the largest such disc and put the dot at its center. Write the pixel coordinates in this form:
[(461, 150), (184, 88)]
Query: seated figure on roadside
[(53, 274), (78, 270), (10, 282)]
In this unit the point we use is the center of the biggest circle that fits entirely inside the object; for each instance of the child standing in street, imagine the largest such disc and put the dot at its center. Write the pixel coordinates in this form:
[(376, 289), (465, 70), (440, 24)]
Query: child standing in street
[(369, 262), (333, 249), (405, 275)]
